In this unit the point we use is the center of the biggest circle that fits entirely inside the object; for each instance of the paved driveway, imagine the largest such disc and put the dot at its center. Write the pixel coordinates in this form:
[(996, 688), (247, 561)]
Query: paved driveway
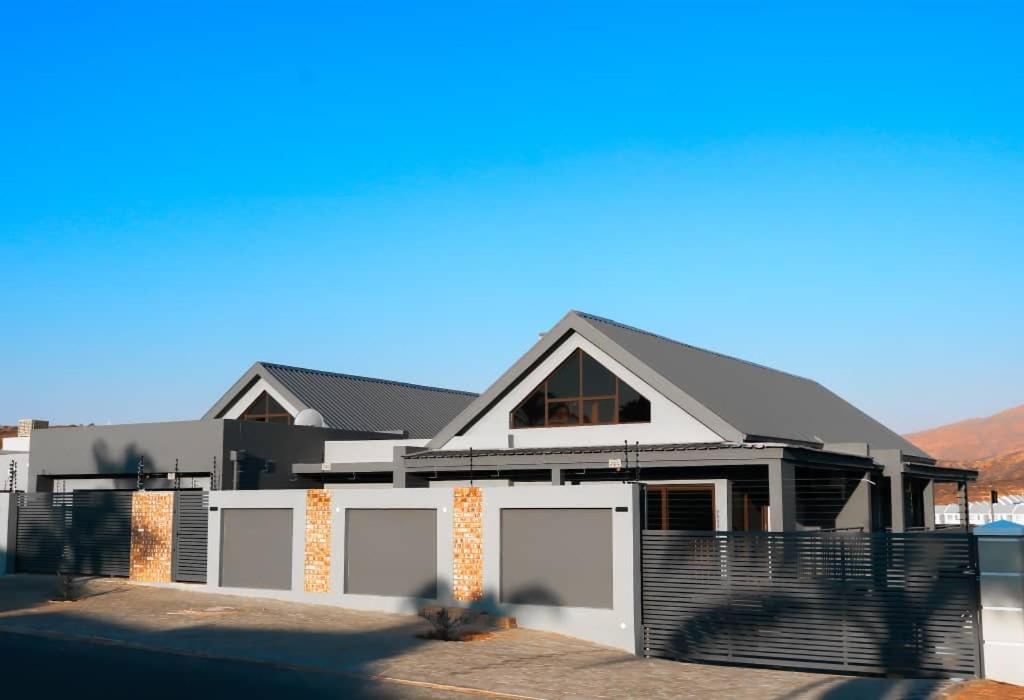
[(385, 648)]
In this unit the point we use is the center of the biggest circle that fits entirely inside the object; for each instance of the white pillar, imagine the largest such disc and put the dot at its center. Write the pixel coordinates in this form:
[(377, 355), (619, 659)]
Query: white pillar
[(1001, 560)]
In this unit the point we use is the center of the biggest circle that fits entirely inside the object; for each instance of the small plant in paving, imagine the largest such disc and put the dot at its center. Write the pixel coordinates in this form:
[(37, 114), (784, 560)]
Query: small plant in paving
[(446, 625), (66, 590)]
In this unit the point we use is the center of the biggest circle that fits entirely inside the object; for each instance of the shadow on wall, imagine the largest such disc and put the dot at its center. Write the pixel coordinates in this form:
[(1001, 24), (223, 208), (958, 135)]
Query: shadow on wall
[(125, 465), (901, 644), (439, 592), (84, 533)]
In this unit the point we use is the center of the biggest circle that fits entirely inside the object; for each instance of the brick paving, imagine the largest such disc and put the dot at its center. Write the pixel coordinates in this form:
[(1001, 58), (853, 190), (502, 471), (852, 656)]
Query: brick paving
[(987, 690), (517, 662)]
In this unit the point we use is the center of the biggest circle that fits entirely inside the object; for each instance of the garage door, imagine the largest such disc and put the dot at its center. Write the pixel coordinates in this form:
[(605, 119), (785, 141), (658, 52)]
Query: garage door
[(256, 548)]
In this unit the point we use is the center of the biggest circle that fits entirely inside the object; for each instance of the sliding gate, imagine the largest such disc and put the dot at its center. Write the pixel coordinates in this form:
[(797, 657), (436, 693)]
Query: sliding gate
[(84, 532), (862, 603)]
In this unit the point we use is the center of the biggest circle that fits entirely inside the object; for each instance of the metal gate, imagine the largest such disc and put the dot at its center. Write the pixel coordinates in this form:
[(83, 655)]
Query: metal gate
[(191, 522), (84, 532), (863, 603)]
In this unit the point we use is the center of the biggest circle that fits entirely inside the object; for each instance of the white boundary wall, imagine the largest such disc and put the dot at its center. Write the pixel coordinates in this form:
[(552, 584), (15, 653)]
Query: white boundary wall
[(617, 627)]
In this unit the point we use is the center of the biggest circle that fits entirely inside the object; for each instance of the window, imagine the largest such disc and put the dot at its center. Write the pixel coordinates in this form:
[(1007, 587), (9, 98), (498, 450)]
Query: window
[(266, 410), (681, 507), (581, 392)]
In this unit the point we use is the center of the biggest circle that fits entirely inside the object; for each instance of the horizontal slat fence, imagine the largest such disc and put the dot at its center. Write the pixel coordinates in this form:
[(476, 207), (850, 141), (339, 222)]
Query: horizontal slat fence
[(863, 603), (84, 532), (191, 521)]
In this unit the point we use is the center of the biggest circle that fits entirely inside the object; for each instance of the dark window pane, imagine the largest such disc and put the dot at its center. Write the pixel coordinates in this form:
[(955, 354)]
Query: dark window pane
[(597, 381), (259, 406), (273, 406), (280, 419), (599, 411), (690, 509), (530, 412), (653, 509), (563, 413), (565, 382), (633, 408)]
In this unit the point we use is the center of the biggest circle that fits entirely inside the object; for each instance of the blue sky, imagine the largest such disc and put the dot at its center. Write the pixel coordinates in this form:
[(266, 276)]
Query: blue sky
[(414, 193)]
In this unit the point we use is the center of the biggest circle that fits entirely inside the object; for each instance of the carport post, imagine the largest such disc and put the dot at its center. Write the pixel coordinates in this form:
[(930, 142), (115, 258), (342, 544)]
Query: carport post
[(781, 496)]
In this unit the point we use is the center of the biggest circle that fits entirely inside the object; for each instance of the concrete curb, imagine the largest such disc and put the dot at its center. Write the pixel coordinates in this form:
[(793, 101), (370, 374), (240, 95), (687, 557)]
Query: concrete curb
[(107, 641)]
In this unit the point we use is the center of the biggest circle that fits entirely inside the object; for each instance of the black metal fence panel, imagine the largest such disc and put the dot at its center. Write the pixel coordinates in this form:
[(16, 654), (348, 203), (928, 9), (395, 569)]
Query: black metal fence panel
[(85, 532), (191, 523), (861, 603), (42, 532)]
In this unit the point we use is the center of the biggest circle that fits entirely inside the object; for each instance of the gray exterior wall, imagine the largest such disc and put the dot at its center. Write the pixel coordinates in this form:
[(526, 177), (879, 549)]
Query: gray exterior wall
[(391, 552), (256, 548), (113, 451), (557, 556)]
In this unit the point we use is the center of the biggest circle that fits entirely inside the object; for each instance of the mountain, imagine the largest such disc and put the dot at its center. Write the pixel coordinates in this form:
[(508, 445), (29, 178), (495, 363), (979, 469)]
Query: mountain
[(974, 439), (993, 445)]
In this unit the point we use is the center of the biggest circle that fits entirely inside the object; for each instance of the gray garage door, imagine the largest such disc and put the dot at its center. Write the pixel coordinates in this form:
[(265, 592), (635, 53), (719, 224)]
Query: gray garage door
[(391, 552), (256, 548), (557, 556)]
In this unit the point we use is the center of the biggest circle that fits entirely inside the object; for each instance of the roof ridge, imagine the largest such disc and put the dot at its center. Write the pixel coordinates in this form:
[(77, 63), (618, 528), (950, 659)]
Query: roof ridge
[(357, 377), (612, 322)]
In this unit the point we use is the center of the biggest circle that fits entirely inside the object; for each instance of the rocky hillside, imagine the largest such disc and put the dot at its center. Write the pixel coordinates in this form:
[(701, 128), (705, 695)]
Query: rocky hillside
[(993, 445)]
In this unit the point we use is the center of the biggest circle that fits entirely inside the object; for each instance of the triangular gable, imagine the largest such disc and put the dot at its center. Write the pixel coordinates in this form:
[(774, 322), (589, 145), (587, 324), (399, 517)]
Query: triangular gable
[(574, 323), (580, 391), (242, 392)]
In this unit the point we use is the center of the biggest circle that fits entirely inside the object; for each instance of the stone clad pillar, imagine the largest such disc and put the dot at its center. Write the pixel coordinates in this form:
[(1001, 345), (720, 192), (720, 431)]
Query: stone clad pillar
[(317, 565), (467, 544), (152, 536), (1001, 560)]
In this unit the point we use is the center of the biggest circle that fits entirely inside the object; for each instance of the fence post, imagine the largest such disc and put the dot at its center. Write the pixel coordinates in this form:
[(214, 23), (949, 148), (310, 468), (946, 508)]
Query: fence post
[(1001, 562), (8, 531)]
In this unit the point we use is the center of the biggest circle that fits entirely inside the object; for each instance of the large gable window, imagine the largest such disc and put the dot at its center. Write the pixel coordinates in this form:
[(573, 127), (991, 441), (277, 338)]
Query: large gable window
[(581, 392), (266, 410)]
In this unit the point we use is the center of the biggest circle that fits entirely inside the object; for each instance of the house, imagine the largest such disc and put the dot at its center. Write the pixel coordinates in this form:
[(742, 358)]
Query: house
[(272, 417), (14, 454), (720, 442), (1008, 507)]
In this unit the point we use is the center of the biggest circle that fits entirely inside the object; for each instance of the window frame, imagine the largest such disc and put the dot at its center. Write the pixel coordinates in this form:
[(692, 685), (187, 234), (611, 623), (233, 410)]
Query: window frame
[(580, 399), (266, 415)]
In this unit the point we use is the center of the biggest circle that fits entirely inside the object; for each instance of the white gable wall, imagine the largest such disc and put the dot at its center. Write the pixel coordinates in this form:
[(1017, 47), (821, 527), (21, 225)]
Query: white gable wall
[(669, 423), (239, 406)]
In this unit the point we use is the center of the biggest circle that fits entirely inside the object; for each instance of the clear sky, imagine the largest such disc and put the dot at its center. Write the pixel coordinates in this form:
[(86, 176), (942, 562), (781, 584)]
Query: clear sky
[(415, 192)]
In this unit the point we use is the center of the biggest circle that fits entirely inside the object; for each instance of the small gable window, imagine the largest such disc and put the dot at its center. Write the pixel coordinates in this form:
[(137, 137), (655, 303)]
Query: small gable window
[(581, 391), (266, 410)]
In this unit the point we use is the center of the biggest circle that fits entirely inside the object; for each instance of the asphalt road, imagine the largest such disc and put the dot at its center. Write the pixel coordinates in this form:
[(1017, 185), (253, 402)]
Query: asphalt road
[(39, 667)]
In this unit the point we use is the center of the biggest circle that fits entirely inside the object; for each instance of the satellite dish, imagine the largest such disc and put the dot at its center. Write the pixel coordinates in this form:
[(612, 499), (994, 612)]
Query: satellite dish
[(310, 417)]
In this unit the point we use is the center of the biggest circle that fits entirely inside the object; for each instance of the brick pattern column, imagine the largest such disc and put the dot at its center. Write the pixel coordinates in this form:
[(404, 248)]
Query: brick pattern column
[(318, 541), (467, 544), (152, 537)]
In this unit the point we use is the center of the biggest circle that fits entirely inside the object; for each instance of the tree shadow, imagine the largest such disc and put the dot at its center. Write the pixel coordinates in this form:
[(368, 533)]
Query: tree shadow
[(857, 604), (348, 657)]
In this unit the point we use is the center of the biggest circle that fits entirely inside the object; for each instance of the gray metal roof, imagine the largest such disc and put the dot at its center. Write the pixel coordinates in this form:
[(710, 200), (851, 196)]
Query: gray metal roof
[(738, 400), (356, 403), (761, 402)]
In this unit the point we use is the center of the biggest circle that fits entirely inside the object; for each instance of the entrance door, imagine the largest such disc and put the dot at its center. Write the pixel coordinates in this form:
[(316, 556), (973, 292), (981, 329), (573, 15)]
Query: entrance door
[(680, 507)]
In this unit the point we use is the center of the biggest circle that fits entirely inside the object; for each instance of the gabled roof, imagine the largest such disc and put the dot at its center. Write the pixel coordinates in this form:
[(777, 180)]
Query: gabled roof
[(739, 400), (355, 403)]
